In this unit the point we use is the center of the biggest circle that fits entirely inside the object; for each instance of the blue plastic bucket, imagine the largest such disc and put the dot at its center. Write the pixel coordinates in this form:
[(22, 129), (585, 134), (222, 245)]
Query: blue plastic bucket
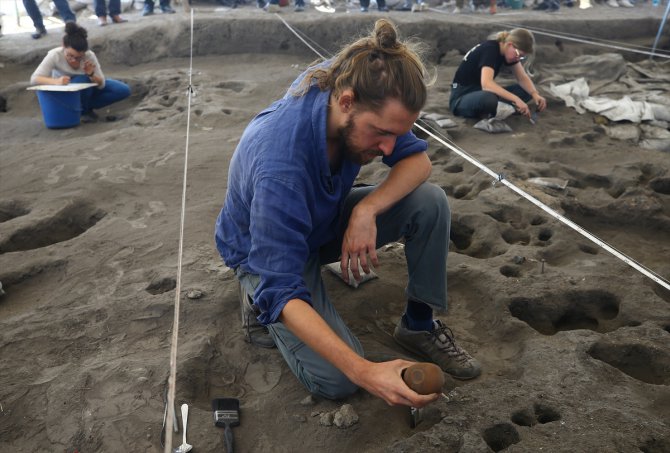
[(60, 109), (515, 4)]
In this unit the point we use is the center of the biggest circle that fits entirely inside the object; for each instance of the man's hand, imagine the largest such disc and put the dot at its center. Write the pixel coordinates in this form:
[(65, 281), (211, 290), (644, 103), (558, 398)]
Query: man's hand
[(384, 380), (539, 101), (521, 107), (63, 80), (360, 241)]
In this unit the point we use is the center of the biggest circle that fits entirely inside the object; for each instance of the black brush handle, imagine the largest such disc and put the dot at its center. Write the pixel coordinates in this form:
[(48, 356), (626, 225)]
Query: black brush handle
[(228, 435)]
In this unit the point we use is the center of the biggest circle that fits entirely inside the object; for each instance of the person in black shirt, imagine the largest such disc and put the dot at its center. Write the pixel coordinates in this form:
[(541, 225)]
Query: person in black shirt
[(474, 92)]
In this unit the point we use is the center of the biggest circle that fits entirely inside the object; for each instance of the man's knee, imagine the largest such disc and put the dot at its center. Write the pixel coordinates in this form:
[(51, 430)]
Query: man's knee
[(433, 198)]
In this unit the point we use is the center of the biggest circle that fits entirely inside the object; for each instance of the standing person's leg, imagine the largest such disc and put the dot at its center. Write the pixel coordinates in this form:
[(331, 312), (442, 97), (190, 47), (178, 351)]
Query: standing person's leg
[(312, 370), (148, 9), (113, 91), (64, 10), (101, 11), (365, 4), (36, 16), (166, 8), (115, 11)]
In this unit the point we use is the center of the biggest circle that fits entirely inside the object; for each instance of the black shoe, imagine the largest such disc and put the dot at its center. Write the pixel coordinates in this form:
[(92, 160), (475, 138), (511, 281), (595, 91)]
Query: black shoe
[(364, 9), (168, 10), (147, 11), (39, 33), (383, 9), (542, 6)]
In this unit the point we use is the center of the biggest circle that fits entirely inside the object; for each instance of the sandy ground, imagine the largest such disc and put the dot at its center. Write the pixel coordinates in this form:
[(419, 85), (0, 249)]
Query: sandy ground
[(575, 344)]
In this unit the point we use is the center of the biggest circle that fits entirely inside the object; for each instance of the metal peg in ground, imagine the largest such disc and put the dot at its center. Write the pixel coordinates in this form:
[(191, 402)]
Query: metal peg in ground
[(424, 378), (226, 415)]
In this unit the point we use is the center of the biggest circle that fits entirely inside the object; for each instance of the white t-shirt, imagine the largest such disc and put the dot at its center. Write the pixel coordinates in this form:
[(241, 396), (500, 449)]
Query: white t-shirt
[(55, 65)]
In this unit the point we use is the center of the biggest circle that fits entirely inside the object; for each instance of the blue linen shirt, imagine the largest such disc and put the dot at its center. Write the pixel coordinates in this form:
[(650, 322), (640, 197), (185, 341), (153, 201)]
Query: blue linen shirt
[(283, 203)]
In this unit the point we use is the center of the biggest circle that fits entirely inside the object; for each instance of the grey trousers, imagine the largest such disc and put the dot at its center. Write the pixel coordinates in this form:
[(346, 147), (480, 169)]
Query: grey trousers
[(423, 219)]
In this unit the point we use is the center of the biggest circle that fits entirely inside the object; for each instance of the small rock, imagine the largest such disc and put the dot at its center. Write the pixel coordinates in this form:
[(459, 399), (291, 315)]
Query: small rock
[(194, 294), (308, 401), (299, 418), (315, 413), (345, 417), (326, 419), (518, 259)]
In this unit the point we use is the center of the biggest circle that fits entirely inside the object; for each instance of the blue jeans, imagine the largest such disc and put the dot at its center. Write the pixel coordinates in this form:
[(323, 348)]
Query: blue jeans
[(149, 4), (470, 101), (96, 98), (101, 8), (423, 219), (36, 16)]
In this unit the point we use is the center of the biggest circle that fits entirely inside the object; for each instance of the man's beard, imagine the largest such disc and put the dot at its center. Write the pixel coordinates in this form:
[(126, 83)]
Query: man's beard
[(349, 150)]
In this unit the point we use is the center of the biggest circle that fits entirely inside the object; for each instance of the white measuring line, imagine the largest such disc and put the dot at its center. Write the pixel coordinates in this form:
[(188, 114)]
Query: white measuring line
[(175, 325), (567, 37), (499, 177)]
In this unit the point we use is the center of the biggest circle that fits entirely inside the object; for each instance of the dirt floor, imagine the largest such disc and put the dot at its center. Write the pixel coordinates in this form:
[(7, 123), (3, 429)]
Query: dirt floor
[(575, 344)]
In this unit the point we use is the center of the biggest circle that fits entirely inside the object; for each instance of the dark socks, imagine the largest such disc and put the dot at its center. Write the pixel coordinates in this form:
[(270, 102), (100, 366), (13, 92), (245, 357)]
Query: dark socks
[(419, 316)]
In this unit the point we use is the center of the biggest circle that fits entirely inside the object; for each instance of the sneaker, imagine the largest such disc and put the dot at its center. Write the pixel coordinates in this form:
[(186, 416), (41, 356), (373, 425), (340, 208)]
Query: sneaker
[(271, 8), (612, 3), (102, 20), (147, 11), (418, 7), (39, 33), (585, 4), (254, 332), (299, 8), (438, 346), (383, 9), (364, 9), (407, 6), (167, 10), (625, 3), (456, 10)]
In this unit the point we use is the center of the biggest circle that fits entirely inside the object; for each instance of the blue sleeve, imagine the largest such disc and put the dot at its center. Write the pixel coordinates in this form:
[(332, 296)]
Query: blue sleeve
[(280, 225), (405, 145)]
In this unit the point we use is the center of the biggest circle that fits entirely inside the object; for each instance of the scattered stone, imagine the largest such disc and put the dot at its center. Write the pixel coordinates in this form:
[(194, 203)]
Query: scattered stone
[(326, 419), (194, 294), (315, 413), (518, 259), (624, 132), (299, 418), (308, 401), (345, 417)]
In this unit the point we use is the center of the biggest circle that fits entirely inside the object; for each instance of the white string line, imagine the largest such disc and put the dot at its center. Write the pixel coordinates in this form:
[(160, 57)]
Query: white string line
[(175, 324), (647, 272), (300, 37), (500, 178), (565, 36)]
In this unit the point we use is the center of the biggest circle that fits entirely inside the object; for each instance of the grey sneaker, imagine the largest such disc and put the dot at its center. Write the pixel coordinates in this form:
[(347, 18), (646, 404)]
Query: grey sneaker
[(438, 346), (254, 332)]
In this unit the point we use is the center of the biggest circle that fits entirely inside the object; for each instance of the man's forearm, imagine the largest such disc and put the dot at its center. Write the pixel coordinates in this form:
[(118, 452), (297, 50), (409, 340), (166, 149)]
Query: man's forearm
[(404, 177)]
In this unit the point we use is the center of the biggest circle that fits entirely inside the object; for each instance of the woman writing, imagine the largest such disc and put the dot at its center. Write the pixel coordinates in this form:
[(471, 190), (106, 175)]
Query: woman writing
[(474, 92), (75, 63)]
